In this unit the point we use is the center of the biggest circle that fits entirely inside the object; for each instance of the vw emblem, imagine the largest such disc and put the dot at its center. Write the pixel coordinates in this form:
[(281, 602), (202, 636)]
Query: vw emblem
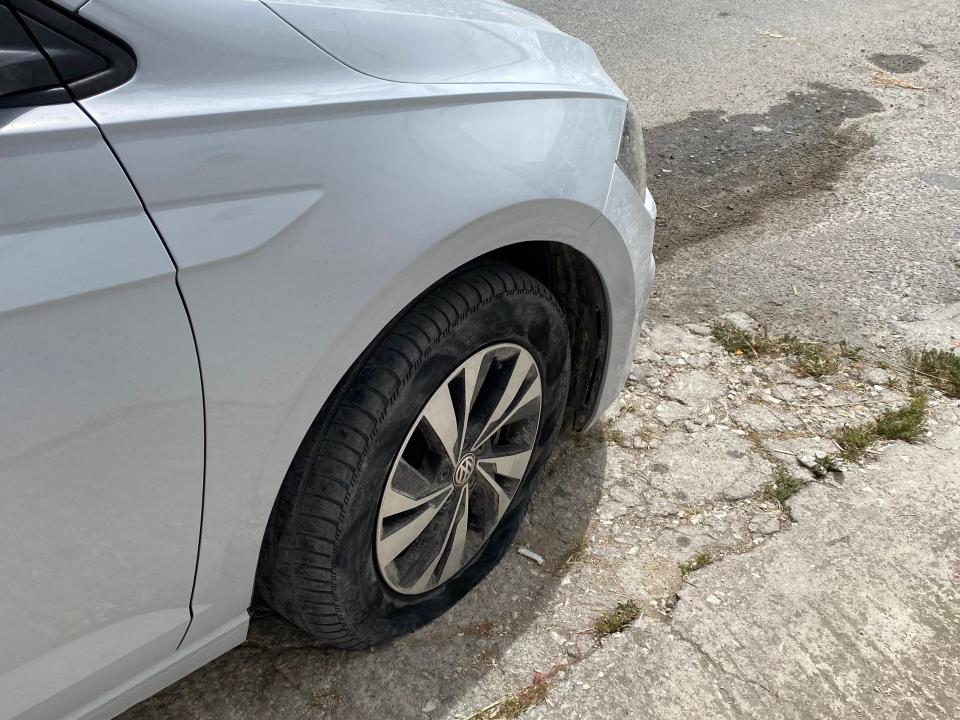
[(465, 469)]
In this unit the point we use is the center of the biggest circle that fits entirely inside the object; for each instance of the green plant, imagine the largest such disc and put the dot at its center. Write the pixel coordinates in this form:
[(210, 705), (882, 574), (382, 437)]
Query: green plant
[(905, 423), (616, 619), (783, 487), (700, 560), (855, 440), (938, 368)]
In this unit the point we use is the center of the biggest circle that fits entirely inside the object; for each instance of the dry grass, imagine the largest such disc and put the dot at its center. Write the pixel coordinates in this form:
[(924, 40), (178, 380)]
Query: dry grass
[(517, 704), (700, 560), (810, 358)]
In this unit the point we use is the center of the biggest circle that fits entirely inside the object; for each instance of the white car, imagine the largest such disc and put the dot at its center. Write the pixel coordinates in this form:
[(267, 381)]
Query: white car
[(295, 299)]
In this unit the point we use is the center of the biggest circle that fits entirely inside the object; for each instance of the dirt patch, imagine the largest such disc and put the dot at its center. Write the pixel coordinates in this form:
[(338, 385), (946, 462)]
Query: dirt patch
[(897, 63), (712, 172)]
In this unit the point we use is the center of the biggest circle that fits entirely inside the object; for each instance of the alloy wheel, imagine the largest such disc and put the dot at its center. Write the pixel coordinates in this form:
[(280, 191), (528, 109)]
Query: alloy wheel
[(458, 469)]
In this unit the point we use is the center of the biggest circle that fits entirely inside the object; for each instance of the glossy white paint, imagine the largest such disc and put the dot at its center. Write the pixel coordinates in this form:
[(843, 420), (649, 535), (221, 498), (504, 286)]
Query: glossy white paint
[(101, 429), (305, 203)]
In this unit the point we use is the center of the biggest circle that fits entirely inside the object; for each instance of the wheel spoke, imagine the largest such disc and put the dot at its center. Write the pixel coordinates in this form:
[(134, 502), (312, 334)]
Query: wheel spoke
[(471, 378), (395, 502), (503, 500), (455, 556), (459, 541), (499, 418), (400, 540), (513, 464), (441, 416)]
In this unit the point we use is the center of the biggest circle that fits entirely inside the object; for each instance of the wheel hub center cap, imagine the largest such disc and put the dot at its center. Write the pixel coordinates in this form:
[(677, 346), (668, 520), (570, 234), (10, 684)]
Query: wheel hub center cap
[(465, 468)]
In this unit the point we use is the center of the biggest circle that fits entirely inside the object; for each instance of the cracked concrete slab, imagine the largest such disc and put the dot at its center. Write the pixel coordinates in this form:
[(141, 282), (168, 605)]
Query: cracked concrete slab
[(854, 612)]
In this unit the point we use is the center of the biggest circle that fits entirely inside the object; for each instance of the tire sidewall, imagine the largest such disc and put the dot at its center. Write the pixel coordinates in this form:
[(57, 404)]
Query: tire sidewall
[(531, 320)]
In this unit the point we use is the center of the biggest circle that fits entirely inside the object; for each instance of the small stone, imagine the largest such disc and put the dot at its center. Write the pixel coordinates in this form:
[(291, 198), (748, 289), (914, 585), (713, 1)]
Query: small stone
[(652, 382), (713, 599), (690, 426), (557, 637), (741, 321), (877, 376), (705, 331), (809, 461), (670, 412), (431, 706)]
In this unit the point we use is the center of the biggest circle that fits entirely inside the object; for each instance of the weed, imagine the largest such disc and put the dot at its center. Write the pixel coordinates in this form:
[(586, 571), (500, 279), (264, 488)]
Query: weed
[(829, 463), (518, 703), (905, 423), (938, 368), (783, 487), (579, 553), (740, 342), (700, 560), (614, 435), (855, 440), (812, 359), (615, 620)]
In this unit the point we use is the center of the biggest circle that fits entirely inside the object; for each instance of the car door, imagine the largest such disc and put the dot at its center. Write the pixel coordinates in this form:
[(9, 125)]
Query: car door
[(101, 413)]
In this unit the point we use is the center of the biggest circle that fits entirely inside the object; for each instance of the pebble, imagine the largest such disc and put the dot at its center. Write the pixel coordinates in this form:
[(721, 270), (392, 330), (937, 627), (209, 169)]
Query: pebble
[(741, 321), (701, 330), (431, 706), (877, 376)]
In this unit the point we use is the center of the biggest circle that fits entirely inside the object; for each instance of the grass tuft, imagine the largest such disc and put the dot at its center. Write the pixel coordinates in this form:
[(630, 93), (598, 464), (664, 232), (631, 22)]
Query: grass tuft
[(811, 358), (855, 440), (740, 342), (938, 368), (700, 560), (905, 423), (783, 487), (580, 552), (829, 463), (615, 620)]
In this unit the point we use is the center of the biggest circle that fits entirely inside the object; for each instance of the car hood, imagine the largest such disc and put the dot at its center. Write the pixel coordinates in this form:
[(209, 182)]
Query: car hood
[(445, 41)]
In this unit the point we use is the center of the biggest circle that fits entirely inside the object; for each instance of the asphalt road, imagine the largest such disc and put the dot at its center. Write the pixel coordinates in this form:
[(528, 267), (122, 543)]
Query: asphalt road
[(791, 182), (797, 185)]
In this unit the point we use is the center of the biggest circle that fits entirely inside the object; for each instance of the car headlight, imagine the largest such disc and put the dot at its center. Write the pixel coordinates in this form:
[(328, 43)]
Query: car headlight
[(631, 158)]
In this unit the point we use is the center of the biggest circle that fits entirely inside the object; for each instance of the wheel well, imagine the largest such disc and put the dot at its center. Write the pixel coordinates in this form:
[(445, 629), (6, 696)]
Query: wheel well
[(576, 284)]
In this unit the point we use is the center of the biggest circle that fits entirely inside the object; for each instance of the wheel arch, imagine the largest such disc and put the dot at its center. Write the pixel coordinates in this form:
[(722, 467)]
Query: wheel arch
[(555, 241)]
